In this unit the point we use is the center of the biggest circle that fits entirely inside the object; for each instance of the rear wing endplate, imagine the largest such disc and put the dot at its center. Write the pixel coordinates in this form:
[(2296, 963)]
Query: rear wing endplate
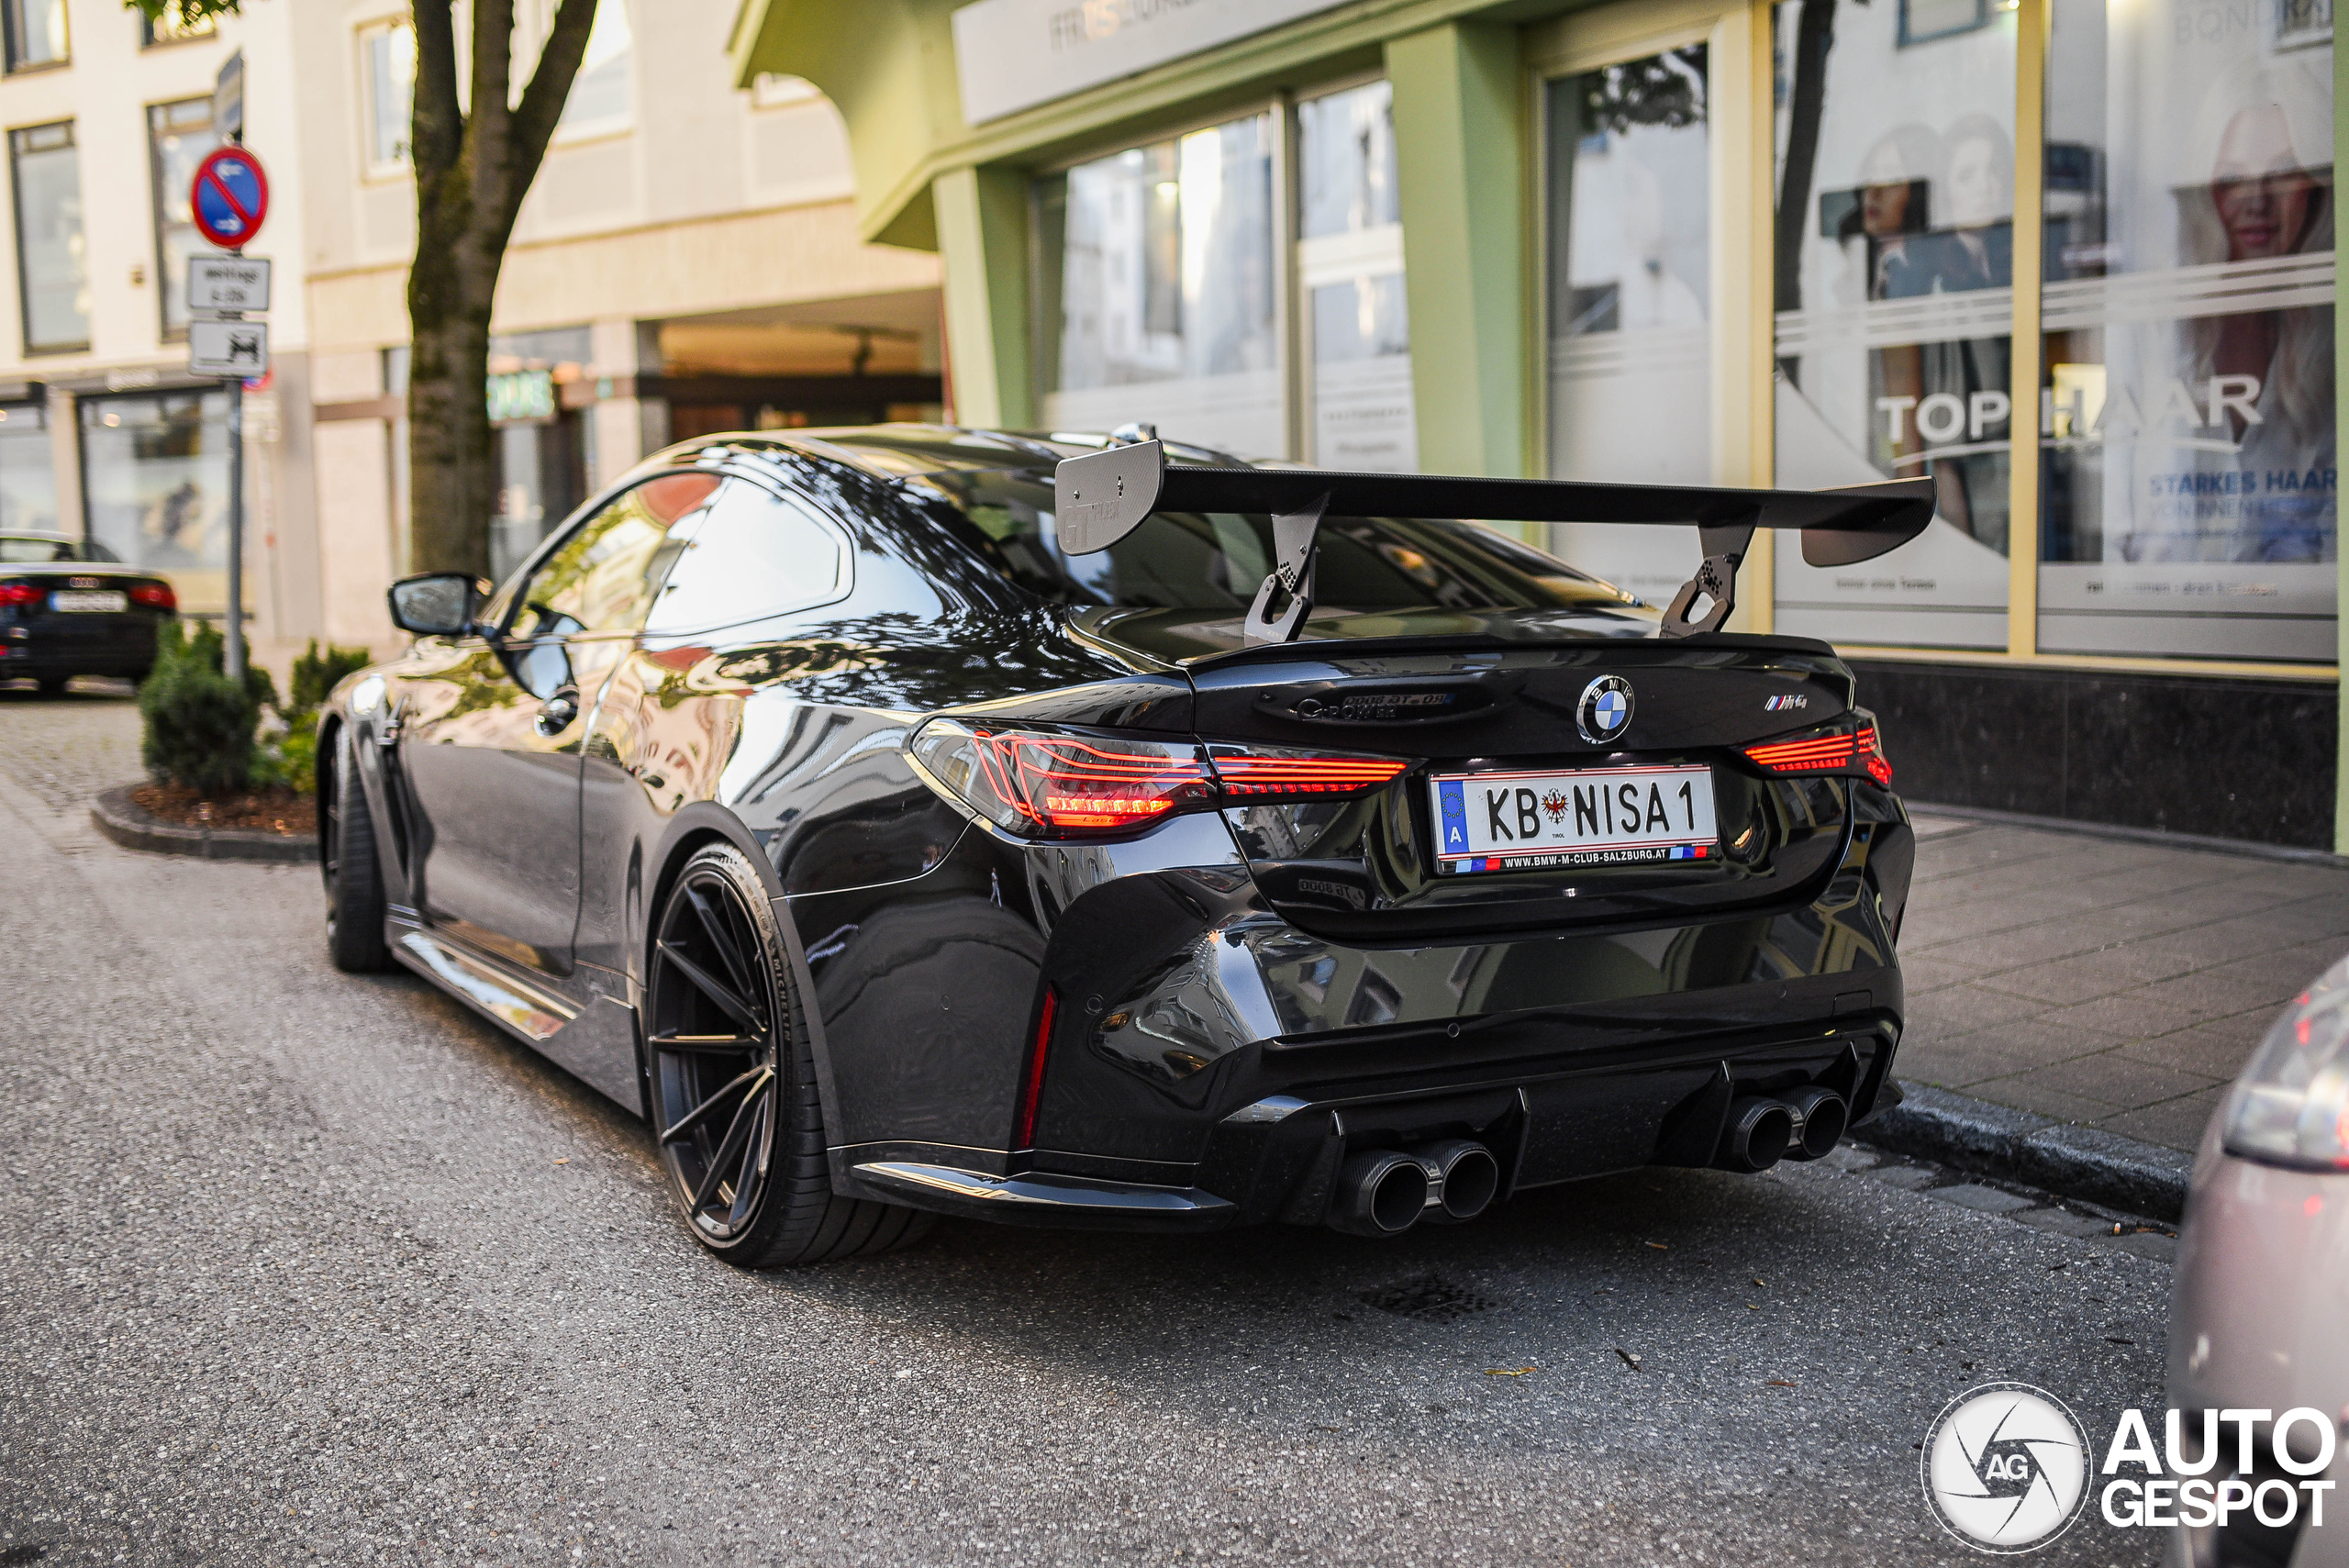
[(1102, 496)]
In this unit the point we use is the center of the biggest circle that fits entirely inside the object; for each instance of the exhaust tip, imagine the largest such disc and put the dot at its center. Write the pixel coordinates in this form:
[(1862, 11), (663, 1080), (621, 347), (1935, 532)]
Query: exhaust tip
[(1825, 1115), (1760, 1131), (1380, 1193), (1468, 1177)]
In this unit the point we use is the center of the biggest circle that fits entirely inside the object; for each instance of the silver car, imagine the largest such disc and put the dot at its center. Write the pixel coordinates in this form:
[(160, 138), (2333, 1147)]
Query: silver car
[(2259, 1338)]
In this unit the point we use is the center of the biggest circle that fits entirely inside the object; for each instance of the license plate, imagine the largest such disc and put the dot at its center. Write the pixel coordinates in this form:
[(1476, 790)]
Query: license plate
[(1516, 821), (89, 601)]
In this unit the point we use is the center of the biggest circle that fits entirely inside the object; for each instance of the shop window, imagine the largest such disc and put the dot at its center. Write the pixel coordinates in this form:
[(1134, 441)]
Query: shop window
[(53, 260), (543, 447), (387, 67), (1630, 231), (155, 484), (1893, 277), (1156, 291), (27, 474), (2189, 474), (178, 137), (1349, 270), (36, 30), (601, 96)]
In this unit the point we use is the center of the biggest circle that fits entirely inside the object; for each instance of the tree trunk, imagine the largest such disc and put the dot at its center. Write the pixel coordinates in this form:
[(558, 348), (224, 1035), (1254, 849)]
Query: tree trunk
[(452, 458), (474, 165)]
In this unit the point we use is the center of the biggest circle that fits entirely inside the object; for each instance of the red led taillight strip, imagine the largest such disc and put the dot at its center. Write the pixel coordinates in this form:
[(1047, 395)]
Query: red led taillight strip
[(1064, 783), (1247, 775), (1855, 752), (1828, 752)]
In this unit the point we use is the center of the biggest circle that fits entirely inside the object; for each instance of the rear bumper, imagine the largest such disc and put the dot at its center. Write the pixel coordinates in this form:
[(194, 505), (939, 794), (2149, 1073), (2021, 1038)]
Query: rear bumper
[(126, 648), (1277, 1157), (1208, 1062)]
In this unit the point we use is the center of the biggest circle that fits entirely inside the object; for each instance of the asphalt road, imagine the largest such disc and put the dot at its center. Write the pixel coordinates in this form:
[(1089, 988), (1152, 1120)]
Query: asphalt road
[(297, 1267)]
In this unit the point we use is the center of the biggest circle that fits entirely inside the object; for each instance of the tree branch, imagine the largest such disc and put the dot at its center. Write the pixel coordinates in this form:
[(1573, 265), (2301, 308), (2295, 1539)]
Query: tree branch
[(541, 107), (436, 133)]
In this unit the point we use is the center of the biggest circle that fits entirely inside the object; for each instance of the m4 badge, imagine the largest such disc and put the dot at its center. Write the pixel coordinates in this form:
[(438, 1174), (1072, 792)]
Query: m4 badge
[(1783, 703)]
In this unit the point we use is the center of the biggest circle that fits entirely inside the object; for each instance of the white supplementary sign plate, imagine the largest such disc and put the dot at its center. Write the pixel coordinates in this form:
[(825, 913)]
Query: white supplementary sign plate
[(228, 349), (89, 601), (1014, 54), (228, 283), (1519, 820)]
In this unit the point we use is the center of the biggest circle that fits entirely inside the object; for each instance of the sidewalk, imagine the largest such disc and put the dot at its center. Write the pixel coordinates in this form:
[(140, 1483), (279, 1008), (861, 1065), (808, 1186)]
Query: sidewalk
[(2114, 983)]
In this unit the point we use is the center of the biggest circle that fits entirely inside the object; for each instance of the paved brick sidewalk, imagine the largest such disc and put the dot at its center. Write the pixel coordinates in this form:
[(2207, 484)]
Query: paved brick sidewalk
[(68, 749), (2117, 983)]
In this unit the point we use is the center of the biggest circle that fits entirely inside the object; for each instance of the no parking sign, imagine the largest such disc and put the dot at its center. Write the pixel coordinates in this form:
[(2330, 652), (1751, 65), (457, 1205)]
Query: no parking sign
[(229, 197)]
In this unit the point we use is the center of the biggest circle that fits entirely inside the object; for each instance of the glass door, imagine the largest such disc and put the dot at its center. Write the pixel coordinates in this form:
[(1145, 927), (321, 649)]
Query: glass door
[(1628, 176), (1356, 329)]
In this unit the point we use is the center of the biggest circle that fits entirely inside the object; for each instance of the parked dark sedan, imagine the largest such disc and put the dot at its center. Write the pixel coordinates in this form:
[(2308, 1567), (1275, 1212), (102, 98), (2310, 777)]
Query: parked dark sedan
[(67, 607), (916, 820)]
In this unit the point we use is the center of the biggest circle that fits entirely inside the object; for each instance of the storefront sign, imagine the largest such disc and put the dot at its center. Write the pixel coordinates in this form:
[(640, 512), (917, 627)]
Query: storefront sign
[(1014, 54), (521, 397)]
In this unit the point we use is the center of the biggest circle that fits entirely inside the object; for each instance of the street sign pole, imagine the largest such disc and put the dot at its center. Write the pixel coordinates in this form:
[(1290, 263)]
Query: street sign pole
[(234, 654), (228, 115)]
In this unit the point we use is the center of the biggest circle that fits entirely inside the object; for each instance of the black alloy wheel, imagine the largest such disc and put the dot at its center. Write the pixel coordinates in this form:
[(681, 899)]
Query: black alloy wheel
[(732, 1077), (353, 870)]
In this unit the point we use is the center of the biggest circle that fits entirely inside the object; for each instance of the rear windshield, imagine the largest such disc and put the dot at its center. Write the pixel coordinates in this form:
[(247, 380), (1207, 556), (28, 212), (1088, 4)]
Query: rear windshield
[(1217, 560), (32, 549)]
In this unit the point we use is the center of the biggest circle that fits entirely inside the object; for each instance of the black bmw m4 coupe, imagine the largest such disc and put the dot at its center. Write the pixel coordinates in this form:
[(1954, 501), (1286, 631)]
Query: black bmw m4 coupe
[(1104, 832)]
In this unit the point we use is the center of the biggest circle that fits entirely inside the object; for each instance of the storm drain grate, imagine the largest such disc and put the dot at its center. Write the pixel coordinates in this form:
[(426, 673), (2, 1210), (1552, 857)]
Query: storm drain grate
[(1432, 1298)]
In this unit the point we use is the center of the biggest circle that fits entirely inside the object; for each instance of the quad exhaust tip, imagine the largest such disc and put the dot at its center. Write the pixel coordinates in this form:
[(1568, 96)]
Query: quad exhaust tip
[(1763, 1130), (1385, 1192)]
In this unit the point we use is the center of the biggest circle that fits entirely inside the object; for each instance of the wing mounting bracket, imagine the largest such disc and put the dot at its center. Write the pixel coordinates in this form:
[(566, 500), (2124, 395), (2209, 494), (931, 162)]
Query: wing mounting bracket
[(1715, 584), (1294, 536)]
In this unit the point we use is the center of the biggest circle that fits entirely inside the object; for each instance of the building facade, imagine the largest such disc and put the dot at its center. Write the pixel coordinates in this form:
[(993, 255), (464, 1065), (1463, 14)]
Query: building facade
[(687, 260), (2072, 259)]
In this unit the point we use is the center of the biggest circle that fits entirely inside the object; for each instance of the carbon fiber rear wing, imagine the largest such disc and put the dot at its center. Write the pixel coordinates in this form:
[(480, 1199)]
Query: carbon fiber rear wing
[(1102, 496)]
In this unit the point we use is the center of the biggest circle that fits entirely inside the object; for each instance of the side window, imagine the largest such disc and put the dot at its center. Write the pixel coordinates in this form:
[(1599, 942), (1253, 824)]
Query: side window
[(751, 554), (603, 576)]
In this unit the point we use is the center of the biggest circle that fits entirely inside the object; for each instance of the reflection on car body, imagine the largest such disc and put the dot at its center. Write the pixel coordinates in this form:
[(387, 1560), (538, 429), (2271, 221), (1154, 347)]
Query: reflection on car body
[(803, 796)]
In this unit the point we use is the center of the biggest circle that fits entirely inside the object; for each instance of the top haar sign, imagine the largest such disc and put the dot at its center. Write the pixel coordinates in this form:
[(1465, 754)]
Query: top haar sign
[(1014, 54)]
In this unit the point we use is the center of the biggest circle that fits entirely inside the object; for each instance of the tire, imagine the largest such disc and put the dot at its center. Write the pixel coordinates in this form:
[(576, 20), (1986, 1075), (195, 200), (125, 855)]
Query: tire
[(51, 686), (736, 1117), (353, 870)]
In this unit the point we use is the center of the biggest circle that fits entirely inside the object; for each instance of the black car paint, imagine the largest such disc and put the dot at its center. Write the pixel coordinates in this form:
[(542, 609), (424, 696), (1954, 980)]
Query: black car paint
[(41, 643), (1217, 965)]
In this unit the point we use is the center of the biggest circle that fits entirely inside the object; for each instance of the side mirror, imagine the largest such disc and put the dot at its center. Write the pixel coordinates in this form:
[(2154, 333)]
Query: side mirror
[(436, 604)]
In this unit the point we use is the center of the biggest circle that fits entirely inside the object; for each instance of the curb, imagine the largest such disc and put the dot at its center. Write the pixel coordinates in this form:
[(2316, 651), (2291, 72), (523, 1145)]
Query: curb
[(120, 818), (2081, 1163)]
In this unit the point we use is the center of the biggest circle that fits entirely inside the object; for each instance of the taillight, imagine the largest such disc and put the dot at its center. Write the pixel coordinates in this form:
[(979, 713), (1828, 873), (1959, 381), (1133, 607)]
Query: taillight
[(1261, 773), (22, 593), (1042, 783), (154, 595), (1850, 745)]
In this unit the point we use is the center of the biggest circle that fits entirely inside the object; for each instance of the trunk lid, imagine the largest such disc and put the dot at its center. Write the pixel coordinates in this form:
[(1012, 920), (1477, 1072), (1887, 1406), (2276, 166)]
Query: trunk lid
[(1503, 698)]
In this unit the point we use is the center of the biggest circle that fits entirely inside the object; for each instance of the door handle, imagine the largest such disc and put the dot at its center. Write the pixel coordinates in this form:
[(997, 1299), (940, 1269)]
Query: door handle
[(557, 712)]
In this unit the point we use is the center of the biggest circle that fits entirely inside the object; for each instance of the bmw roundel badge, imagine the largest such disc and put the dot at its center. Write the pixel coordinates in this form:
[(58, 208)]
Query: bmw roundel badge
[(1605, 711)]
